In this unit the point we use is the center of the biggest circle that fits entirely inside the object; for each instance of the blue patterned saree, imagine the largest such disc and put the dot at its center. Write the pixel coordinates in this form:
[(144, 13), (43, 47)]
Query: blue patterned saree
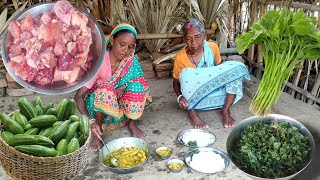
[(206, 86)]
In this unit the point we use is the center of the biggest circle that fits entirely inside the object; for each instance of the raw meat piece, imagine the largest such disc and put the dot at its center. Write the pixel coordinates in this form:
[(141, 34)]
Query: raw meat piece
[(72, 48), (79, 19), (72, 34), (81, 59), (64, 10), (83, 43), (50, 33), (44, 46), (66, 62), (67, 76), (86, 32), (18, 59), (26, 35), (15, 50), (59, 48), (48, 59), (14, 29), (46, 18), (44, 76), (22, 70), (27, 23)]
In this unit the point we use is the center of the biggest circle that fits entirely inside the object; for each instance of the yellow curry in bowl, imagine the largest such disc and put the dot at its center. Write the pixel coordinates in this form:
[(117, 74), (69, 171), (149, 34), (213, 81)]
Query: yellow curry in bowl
[(127, 157)]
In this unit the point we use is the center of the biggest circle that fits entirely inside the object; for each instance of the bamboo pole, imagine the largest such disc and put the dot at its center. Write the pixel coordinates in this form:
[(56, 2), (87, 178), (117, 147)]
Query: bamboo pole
[(305, 6), (260, 57), (288, 84), (164, 35), (253, 15)]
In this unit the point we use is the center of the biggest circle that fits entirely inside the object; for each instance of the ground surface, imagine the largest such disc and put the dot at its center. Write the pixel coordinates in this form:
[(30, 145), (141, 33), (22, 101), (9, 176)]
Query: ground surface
[(162, 122)]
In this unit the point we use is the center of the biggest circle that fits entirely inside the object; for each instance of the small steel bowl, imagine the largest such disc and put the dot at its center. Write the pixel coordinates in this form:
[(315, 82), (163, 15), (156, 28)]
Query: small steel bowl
[(97, 47), (163, 148), (237, 130), (171, 161), (121, 143)]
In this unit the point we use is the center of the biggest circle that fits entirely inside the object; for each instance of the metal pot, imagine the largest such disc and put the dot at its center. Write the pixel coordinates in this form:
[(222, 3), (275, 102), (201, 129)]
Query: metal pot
[(98, 49), (120, 143), (236, 132)]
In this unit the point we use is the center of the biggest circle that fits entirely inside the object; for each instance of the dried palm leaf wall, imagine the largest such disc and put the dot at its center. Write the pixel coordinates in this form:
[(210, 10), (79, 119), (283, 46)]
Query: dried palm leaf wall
[(305, 79)]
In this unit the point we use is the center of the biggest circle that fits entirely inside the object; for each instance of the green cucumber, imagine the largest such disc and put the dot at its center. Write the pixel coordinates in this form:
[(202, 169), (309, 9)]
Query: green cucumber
[(59, 131), (26, 108), (11, 125), (26, 139), (70, 109), (84, 125), (38, 110), (74, 118), (32, 131), (73, 127), (6, 136), (62, 147), (46, 132), (73, 145), (61, 109), (20, 118), (37, 150), (43, 121)]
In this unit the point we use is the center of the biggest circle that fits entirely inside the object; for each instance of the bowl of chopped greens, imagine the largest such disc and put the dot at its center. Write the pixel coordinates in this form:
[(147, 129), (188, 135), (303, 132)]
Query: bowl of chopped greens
[(270, 147)]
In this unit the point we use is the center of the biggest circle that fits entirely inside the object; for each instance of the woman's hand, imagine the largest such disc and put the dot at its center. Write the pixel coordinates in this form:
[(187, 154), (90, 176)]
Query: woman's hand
[(96, 129), (183, 103), (120, 91)]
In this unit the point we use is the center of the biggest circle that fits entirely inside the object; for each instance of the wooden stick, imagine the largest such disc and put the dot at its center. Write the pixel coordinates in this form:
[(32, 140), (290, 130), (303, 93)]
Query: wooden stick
[(253, 15), (173, 48), (260, 57), (290, 85), (297, 79), (306, 6)]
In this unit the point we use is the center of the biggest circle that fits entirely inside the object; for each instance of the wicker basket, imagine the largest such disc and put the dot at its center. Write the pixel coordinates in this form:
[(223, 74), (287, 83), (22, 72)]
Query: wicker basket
[(22, 166)]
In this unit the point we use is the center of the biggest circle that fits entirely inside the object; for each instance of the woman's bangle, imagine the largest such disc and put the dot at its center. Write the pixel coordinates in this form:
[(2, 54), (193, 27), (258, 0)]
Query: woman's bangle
[(178, 99), (92, 121)]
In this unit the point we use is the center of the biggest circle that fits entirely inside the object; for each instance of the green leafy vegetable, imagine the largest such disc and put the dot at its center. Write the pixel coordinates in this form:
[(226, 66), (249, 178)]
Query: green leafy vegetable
[(285, 39), (271, 151), (192, 143)]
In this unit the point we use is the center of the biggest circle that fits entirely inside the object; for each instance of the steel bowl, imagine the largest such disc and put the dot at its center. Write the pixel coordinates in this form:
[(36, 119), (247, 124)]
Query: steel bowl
[(175, 161), (97, 47), (237, 130), (190, 154), (122, 143), (163, 148), (202, 137)]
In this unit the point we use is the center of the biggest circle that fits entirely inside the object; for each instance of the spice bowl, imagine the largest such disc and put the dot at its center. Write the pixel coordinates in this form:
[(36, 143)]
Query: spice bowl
[(163, 152), (175, 165)]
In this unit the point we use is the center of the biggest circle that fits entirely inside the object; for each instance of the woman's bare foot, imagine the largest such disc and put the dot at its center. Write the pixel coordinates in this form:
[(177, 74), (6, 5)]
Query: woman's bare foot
[(96, 143), (134, 130), (195, 120), (227, 120)]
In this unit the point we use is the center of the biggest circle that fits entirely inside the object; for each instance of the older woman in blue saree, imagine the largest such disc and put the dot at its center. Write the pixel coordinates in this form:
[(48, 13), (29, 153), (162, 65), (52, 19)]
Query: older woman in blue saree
[(202, 81)]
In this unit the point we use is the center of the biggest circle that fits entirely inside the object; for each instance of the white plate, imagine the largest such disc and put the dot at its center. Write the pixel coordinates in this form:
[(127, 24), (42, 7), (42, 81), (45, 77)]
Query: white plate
[(202, 137), (209, 162)]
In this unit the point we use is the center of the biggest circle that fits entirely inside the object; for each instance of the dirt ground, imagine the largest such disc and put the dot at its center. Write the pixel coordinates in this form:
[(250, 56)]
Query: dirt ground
[(162, 122)]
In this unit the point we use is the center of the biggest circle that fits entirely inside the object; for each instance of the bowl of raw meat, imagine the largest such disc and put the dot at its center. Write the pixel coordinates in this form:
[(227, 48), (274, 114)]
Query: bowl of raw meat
[(53, 48)]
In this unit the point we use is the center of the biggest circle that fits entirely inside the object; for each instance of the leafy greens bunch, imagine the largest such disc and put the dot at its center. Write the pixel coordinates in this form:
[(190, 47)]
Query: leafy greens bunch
[(285, 38), (271, 151)]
